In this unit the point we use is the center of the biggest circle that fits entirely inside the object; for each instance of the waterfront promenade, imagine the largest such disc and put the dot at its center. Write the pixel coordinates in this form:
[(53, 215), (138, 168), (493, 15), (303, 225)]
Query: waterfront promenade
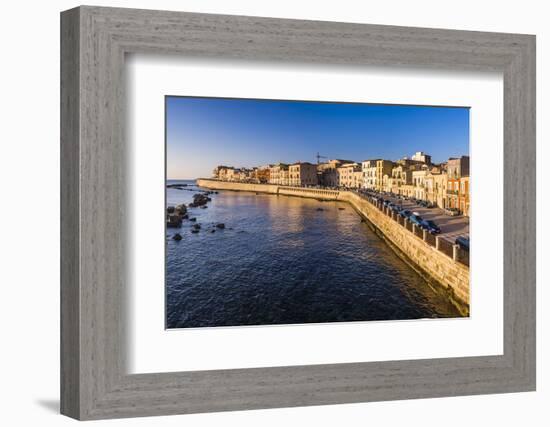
[(435, 258), (451, 226)]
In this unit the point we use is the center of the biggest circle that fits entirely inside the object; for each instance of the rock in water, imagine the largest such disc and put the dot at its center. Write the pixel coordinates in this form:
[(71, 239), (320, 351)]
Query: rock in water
[(220, 225), (199, 200), (173, 221), (181, 209), (177, 237)]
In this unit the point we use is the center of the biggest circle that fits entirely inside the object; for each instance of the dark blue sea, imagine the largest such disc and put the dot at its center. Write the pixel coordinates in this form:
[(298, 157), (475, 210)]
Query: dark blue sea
[(280, 260)]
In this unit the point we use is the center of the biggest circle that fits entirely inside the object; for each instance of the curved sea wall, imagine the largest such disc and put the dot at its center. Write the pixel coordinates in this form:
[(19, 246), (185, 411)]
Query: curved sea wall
[(426, 259), (237, 186)]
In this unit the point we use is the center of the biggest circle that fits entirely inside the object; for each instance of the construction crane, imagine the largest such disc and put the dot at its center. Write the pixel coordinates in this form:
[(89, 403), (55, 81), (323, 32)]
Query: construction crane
[(319, 157)]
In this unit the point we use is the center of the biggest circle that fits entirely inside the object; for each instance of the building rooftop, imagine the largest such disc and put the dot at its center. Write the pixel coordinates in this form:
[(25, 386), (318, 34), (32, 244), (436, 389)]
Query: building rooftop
[(301, 163), (341, 161)]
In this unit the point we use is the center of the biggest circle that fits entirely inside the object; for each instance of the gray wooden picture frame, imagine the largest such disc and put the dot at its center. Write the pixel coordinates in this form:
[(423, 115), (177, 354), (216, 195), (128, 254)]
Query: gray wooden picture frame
[(94, 381)]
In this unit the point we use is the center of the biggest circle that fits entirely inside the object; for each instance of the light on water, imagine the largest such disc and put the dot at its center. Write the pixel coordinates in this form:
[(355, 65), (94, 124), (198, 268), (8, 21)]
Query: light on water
[(280, 260)]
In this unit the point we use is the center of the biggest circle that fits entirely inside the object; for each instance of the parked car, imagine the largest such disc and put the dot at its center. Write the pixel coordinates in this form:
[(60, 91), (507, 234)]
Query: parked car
[(429, 205), (430, 226), (395, 208), (405, 213), (416, 219), (463, 242), (451, 211)]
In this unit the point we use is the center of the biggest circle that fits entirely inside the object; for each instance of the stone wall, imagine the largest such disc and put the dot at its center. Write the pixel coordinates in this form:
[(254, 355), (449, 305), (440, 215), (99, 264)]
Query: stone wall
[(434, 265), (310, 193), (214, 184)]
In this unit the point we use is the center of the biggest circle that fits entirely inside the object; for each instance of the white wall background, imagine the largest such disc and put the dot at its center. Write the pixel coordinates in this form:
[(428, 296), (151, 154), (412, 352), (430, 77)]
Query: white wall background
[(29, 230)]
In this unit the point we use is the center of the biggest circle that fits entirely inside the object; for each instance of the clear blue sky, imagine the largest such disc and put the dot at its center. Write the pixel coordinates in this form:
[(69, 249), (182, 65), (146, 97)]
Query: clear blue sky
[(202, 133)]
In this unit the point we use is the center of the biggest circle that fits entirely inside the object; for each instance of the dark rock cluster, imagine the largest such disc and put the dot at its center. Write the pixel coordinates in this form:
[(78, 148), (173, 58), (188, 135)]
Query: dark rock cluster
[(200, 200), (176, 186), (175, 215)]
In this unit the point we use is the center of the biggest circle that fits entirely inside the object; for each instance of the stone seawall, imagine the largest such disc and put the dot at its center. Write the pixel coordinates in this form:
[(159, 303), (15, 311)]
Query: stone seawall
[(426, 259), (237, 186), (434, 265)]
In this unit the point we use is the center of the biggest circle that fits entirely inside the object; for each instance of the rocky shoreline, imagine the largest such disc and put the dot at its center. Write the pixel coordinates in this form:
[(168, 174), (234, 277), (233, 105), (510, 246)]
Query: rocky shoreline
[(176, 215)]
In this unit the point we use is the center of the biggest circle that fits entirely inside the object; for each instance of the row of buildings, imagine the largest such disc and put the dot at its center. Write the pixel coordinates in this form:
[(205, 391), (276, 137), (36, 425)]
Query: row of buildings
[(446, 185)]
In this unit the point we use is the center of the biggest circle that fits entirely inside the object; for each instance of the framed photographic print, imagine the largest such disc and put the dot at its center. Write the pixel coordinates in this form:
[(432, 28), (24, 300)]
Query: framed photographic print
[(309, 259), (262, 213)]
